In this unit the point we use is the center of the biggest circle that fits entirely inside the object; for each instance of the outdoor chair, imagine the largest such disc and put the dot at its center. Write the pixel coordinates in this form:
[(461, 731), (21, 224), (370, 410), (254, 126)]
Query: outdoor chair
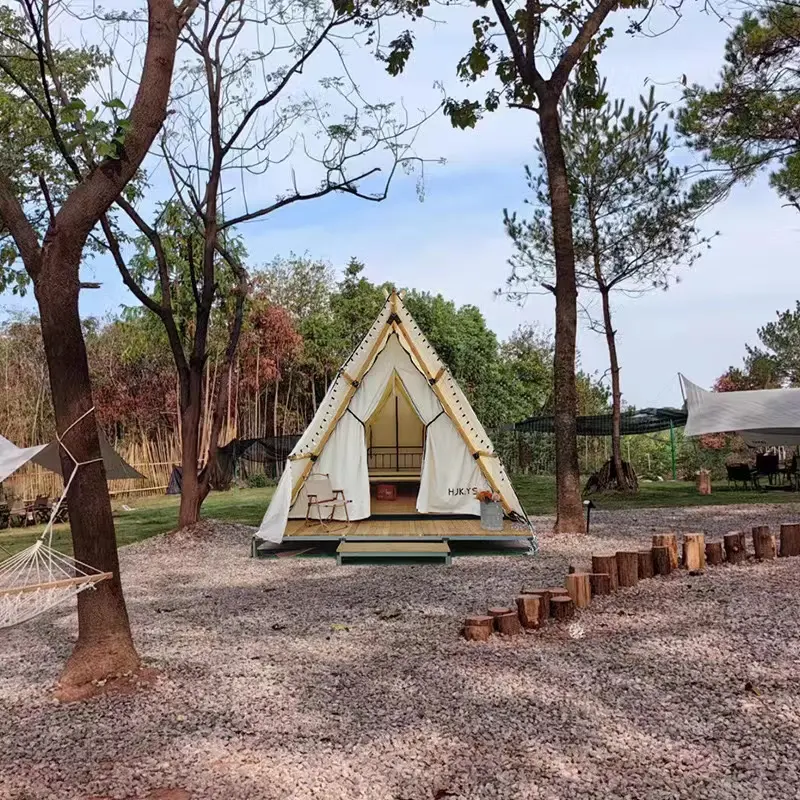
[(767, 464), (741, 473), (322, 495), (41, 509)]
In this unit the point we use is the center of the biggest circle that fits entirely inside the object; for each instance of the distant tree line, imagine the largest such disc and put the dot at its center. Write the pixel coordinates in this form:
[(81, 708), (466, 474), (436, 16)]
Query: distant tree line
[(300, 324)]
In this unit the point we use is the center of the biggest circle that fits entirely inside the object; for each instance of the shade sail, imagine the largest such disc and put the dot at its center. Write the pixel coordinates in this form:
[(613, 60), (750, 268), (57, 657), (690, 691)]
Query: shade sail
[(763, 417), (47, 456)]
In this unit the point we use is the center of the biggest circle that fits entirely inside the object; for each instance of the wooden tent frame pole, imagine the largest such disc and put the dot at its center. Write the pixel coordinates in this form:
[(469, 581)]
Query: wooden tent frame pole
[(434, 384), (354, 384)]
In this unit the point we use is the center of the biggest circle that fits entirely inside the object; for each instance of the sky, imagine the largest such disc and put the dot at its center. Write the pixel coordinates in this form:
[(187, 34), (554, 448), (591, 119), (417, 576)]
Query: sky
[(453, 241)]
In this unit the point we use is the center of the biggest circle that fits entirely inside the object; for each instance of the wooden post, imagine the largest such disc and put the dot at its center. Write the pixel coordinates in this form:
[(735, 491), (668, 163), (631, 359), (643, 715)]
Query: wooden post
[(662, 560), (763, 543), (627, 568), (734, 549), (508, 624), (529, 610), (498, 611), (714, 553), (607, 564), (557, 591), (668, 540), (694, 552), (579, 589), (600, 583), (544, 602), (790, 539), (478, 628), (645, 564), (562, 608)]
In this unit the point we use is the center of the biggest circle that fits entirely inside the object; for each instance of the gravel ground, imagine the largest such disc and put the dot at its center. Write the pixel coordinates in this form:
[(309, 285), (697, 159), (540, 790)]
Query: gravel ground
[(298, 679)]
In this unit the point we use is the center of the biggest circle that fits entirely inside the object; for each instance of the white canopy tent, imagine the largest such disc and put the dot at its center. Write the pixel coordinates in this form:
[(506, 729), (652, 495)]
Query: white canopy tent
[(762, 417), (458, 458), (48, 456)]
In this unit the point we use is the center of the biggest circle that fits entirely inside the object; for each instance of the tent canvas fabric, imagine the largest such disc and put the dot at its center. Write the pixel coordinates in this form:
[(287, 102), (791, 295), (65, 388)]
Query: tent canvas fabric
[(762, 417), (48, 456), (458, 458)]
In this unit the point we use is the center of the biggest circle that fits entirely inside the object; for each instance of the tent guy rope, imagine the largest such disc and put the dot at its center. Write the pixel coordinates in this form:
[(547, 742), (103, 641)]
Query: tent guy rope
[(39, 578)]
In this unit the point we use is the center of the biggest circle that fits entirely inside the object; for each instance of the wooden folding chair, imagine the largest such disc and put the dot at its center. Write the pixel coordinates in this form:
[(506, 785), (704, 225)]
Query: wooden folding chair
[(321, 494)]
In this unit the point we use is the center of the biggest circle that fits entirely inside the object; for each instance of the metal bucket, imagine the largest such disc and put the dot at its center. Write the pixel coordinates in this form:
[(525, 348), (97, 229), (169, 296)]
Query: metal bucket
[(491, 516)]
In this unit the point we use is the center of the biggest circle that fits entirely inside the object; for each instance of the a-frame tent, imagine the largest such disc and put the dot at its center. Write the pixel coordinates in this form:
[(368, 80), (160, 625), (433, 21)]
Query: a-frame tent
[(458, 458)]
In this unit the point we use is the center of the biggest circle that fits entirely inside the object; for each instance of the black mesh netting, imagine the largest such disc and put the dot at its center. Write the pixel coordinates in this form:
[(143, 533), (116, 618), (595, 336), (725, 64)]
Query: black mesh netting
[(242, 457), (647, 420)]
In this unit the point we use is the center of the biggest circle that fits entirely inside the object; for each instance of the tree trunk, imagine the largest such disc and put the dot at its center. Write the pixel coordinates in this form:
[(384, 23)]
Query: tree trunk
[(579, 589), (607, 564), (616, 396), (569, 517), (734, 547), (191, 498), (529, 608), (645, 564), (662, 560), (104, 646), (764, 543), (694, 552), (669, 540), (627, 568), (562, 608), (790, 540), (714, 553), (600, 583)]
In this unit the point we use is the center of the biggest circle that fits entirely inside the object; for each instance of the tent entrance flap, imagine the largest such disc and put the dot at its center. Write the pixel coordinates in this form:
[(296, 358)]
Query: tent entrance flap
[(395, 435)]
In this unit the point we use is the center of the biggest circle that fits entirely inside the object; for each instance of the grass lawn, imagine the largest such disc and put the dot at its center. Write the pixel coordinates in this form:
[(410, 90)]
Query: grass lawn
[(153, 515)]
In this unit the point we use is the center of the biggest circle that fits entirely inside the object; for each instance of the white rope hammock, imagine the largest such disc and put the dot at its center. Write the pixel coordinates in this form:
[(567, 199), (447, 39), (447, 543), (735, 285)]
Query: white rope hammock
[(39, 578)]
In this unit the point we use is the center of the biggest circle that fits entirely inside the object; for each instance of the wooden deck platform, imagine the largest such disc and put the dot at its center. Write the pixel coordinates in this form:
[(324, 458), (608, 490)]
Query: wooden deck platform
[(422, 527)]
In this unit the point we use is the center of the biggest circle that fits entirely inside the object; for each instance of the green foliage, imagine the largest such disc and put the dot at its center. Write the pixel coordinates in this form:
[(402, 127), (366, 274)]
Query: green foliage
[(50, 136), (748, 120), (772, 363), (258, 481), (634, 218), (183, 245)]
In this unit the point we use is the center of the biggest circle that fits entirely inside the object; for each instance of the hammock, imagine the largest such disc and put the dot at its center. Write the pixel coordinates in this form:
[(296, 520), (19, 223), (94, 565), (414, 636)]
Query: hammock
[(39, 578)]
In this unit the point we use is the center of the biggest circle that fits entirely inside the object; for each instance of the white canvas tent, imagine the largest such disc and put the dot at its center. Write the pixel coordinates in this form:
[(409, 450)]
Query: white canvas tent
[(47, 456), (762, 417), (458, 458)]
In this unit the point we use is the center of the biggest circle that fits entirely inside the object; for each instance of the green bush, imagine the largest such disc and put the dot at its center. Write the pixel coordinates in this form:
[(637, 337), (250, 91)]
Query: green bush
[(259, 481)]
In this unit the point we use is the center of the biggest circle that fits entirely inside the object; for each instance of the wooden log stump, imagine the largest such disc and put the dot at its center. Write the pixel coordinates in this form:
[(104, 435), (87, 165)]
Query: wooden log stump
[(508, 624), (529, 610), (694, 552), (607, 564), (645, 564), (600, 583), (579, 589), (714, 553), (556, 591), (562, 608), (662, 560), (478, 628), (627, 568), (764, 544), (734, 548), (668, 540), (790, 540)]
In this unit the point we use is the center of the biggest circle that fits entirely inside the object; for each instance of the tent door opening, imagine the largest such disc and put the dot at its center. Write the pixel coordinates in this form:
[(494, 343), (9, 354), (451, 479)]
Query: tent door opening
[(395, 444)]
